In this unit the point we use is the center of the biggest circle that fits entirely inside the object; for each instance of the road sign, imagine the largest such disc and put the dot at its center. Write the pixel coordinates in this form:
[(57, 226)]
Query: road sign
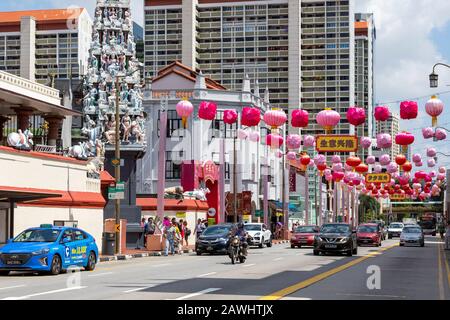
[(259, 213), (117, 227), (378, 177), (115, 162), (336, 143), (117, 192)]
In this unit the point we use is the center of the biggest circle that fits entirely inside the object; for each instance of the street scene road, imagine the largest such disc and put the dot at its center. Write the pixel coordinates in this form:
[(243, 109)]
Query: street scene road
[(279, 272)]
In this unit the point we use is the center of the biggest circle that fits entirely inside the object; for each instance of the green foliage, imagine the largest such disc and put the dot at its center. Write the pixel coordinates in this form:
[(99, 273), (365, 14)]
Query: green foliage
[(369, 208)]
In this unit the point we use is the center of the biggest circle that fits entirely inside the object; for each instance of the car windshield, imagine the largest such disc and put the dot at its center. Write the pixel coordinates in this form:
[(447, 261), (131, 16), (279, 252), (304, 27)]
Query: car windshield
[(216, 230), (252, 227), (396, 226), (412, 230), (335, 228), (305, 230), (368, 229), (38, 235)]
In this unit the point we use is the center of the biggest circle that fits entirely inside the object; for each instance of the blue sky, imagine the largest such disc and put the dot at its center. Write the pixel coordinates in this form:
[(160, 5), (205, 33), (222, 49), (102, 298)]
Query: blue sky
[(412, 36)]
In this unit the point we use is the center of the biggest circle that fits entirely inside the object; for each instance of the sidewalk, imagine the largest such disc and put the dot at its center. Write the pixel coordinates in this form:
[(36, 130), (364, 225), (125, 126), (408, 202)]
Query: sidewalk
[(142, 253)]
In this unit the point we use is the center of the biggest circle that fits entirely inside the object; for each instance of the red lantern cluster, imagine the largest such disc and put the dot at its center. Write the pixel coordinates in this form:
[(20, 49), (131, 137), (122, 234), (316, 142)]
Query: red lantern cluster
[(356, 116), (250, 116), (299, 118), (207, 110)]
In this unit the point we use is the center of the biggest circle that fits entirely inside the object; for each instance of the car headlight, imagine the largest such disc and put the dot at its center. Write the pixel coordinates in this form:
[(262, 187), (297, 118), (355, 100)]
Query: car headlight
[(39, 252), (317, 238), (257, 234), (344, 239)]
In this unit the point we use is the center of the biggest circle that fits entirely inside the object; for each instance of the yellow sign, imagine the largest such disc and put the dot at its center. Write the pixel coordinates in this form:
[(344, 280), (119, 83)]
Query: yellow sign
[(117, 227), (279, 214), (378, 177), (397, 196), (211, 221), (181, 215), (336, 143)]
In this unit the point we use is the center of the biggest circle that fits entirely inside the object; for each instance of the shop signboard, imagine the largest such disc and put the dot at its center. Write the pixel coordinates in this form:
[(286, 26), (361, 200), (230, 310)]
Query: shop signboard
[(336, 143)]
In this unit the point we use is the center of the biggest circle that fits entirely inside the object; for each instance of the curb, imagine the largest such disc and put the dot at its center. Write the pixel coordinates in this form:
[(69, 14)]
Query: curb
[(137, 255)]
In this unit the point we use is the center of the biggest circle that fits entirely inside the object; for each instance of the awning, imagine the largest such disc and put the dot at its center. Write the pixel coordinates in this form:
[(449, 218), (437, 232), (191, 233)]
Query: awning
[(150, 204), (24, 194), (292, 207), (106, 178)]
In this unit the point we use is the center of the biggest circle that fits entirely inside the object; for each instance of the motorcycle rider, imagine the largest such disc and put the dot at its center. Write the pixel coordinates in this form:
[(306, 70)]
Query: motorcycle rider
[(243, 236)]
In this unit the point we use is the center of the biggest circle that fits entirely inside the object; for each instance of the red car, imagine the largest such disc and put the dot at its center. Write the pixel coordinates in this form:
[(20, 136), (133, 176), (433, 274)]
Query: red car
[(369, 233), (304, 236)]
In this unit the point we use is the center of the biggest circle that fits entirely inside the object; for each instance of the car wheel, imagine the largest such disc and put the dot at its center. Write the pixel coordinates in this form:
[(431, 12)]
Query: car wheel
[(261, 245), (4, 273), (355, 250), (92, 259), (299, 246), (292, 246), (55, 267), (316, 252), (198, 253), (434, 234), (422, 244), (350, 252), (269, 244), (389, 236), (401, 244)]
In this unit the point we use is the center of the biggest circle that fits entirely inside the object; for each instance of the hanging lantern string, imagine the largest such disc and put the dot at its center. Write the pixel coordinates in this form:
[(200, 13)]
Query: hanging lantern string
[(416, 98)]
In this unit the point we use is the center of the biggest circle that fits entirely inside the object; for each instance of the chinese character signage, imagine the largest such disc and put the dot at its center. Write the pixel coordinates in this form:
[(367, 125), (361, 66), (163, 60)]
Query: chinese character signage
[(210, 171), (292, 179), (378, 178), (336, 143), (397, 196)]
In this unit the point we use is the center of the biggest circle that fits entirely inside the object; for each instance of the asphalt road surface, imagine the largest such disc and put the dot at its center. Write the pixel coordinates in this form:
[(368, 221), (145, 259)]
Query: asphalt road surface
[(389, 272)]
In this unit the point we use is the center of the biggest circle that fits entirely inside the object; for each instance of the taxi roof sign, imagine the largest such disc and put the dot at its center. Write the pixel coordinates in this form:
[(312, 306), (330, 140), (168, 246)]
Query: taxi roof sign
[(46, 225)]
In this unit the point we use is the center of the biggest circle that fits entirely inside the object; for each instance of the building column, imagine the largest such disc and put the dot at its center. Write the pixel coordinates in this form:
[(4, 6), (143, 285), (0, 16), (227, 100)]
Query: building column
[(54, 124), (3, 120), (23, 117)]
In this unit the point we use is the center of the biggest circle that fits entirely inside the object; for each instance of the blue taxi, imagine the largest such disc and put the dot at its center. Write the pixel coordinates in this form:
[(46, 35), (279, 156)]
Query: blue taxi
[(49, 249)]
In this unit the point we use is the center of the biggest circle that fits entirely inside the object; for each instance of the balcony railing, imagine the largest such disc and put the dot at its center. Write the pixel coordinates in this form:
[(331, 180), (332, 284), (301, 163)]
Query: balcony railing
[(29, 85)]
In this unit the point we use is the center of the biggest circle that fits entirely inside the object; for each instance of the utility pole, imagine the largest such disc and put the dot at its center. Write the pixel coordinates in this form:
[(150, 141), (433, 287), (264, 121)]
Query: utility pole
[(234, 179), (117, 167)]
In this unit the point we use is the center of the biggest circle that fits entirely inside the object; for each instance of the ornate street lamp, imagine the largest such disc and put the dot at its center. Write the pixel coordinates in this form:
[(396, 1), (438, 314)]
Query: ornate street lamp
[(434, 77)]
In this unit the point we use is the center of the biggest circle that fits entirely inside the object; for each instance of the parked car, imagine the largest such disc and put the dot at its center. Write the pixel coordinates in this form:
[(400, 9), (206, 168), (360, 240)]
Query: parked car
[(214, 239), (336, 238), (369, 233), (304, 236), (395, 229), (49, 249), (384, 230), (260, 235), (412, 235)]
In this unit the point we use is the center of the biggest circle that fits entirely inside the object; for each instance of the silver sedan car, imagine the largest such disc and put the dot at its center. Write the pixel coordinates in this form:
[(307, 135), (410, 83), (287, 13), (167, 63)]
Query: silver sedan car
[(412, 236)]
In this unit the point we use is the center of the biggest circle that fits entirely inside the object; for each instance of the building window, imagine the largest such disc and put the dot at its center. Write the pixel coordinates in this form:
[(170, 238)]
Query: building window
[(174, 159), (174, 125)]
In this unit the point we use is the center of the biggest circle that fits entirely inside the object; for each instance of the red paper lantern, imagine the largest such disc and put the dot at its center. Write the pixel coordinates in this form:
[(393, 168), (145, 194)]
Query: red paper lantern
[(404, 139), (274, 140), (407, 166), (250, 116), (207, 110), (353, 161), (356, 116), (299, 118), (338, 176), (408, 110), (321, 166), (230, 116), (382, 113), (305, 160), (400, 159), (362, 168)]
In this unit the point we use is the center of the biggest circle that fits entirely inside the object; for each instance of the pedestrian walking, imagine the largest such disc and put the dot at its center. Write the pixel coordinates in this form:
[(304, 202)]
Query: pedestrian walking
[(187, 233), (168, 234), (176, 237), (199, 228), (181, 227)]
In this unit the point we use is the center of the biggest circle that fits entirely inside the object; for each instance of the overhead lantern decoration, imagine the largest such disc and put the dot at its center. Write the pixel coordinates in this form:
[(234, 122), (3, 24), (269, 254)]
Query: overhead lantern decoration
[(230, 116), (250, 116), (356, 116), (254, 136), (305, 160), (370, 160), (320, 159), (293, 141), (434, 108), (404, 139), (337, 167), (362, 168), (309, 141), (321, 167), (242, 134), (408, 110), (442, 170), (279, 154), (291, 156), (407, 166), (328, 119), (427, 133), (392, 167), (384, 141), (336, 159), (431, 163), (431, 152), (366, 142), (400, 159), (275, 141), (377, 168), (417, 158), (184, 110), (353, 161), (440, 134), (385, 159), (299, 118), (207, 110), (275, 118), (382, 113)]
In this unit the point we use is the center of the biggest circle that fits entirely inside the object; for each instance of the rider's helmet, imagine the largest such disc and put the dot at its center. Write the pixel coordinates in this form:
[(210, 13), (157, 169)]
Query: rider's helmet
[(240, 225)]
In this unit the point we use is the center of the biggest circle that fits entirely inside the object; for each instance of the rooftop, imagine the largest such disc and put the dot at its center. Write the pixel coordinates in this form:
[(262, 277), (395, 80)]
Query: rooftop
[(48, 15)]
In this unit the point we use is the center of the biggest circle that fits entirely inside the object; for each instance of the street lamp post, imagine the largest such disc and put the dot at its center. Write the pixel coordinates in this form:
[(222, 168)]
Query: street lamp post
[(434, 77)]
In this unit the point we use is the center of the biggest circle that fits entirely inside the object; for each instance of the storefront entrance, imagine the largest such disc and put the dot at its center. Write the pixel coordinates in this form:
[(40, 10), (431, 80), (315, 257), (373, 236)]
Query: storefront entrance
[(3, 225)]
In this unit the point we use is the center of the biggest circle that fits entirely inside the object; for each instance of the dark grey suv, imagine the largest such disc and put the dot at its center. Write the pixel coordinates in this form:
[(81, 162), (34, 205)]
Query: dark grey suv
[(336, 238)]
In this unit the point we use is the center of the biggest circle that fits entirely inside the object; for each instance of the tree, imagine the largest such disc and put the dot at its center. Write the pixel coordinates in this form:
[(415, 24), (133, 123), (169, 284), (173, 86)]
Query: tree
[(369, 208)]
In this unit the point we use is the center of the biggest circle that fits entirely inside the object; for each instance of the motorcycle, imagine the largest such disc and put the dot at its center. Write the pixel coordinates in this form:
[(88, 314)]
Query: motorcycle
[(237, 250)]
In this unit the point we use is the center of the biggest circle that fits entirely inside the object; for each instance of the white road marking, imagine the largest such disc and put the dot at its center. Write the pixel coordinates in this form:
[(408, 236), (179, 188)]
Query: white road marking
[(370, 295), (249, 265), (308, 268), (296, 298), (100, 274), (139, 289), (206, 274), (43, 293), (13, 287), (161, 265), (278, 259), (199, 293)]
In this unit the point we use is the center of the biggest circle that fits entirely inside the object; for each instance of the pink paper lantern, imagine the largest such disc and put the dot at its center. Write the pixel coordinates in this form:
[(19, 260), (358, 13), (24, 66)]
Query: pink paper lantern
[(432, 174), (336, 159), (293, 141), (440, 134), (408, 110), (291, 156), (427, 133), (419, 164), (184, 110), (337, 167), (417, 158), (366, 142), (254, 136), (356, 116), (230, 116), (370, 160), (338, 176), (382, 113), (242, 134), (275, 118), (431, 152), (431, 163), (328, 119), (404, 139), (327, 172), (385, 159), (384, 141), (299, 118), (309, 141), (275, 141), (434, 108), (250, 117), (329, 178), (207, 110), (278, 154), (441, 176), (392, 167), (320, 159), (442, 170)]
